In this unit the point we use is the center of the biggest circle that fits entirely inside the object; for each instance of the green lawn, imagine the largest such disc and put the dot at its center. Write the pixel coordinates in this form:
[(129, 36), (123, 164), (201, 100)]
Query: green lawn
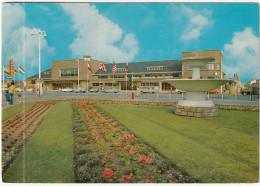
[(217, 149), (16, 109), (48, 155)]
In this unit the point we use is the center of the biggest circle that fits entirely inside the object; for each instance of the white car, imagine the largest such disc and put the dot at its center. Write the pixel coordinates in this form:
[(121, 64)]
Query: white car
[(66, 90), (19, 90)]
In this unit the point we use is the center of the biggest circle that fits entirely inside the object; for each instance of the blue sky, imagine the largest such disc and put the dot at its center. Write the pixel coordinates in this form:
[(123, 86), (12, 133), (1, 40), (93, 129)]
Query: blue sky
[(133, 32)]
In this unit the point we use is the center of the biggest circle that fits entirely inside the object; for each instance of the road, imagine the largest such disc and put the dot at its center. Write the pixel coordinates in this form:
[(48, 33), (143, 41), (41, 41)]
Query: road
[(161, 97)]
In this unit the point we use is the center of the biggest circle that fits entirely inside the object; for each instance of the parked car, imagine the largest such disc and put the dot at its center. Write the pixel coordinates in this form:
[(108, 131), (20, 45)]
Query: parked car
[(18, 89), (93, 90), (149, 90), (111, 90), (66, 90), (29, 89), (81, 90), (215, 91)]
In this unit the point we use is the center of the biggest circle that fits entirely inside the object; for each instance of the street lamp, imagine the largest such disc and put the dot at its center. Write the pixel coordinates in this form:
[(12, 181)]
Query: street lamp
[(39, 33)]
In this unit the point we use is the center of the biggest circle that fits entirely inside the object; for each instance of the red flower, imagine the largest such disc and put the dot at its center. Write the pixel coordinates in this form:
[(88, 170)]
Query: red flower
[(98, 137), (105, 123), (132, 137), (117, 130), (114, 124), (142, 158), (119, 144), (169, 175), (148, 161), (93, 124), (126, 178), (107, 157), (147, 181), (126, 148), (110, 120), (108, 173), (102, 131), (104, 161), (89, 136), (133, 151)]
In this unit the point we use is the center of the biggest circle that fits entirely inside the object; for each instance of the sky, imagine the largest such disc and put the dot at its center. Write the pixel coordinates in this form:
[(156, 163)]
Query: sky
[(131, 32)]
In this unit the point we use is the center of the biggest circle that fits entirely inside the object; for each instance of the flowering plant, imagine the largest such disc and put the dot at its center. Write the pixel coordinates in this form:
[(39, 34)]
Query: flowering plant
[(108, 173)]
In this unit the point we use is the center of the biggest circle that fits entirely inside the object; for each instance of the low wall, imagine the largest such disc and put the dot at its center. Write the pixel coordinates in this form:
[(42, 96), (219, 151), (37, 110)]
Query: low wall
[(196, 111)]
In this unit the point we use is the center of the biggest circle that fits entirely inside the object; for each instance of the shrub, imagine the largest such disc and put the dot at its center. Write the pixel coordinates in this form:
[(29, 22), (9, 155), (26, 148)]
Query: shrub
[(93, 160), (82, 159)]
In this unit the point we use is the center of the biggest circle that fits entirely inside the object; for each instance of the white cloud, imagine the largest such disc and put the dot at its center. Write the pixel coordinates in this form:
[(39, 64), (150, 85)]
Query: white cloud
[(17, 41), (197, 21), (242, 55), (99, 36)]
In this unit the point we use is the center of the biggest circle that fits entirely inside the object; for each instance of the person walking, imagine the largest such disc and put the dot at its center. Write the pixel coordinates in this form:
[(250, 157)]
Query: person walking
[(11, 91), (138, 91)]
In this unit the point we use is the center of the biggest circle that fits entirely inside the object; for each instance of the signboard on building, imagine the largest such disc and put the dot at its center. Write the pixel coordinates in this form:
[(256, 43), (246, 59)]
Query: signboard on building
[(8, 77)]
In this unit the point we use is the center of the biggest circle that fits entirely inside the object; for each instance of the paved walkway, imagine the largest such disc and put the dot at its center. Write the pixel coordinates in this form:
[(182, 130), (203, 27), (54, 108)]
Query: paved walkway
[(30, 97)]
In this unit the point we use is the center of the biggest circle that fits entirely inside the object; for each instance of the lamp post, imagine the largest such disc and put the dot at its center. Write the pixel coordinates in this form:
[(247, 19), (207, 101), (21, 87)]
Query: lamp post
[(78, 73), (39, 33)]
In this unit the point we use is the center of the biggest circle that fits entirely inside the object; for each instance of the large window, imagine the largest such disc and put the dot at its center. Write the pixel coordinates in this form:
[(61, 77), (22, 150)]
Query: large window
[(69, 72), (149, 84), (96, 84)]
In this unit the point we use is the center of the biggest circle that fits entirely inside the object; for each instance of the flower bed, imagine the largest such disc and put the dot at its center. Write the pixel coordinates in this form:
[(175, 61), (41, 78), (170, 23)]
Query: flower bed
[(105, 152), (16, 130)]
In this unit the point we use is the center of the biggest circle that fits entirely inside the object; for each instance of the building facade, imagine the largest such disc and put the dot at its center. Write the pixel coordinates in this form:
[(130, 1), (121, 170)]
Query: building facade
[(145, 75)]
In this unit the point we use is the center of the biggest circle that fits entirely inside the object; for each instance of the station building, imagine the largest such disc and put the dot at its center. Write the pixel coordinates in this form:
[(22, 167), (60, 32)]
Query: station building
[(148, 74)]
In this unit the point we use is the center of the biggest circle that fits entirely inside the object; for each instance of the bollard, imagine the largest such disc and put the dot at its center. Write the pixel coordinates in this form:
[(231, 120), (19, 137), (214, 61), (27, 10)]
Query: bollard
[(133, 95)]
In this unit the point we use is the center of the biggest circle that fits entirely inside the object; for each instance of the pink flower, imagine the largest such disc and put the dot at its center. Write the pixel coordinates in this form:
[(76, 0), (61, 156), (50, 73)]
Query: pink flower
[(117, 130), (142, 158), (108, 173), (119, 144), (93, 124), (133, 151), (148, 161), (126, 178), (106, 123), (102, 131)]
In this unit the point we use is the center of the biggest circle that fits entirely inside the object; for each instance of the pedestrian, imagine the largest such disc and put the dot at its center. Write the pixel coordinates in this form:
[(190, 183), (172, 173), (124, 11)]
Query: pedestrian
[(11, 91), (7, 97), (138, 91)]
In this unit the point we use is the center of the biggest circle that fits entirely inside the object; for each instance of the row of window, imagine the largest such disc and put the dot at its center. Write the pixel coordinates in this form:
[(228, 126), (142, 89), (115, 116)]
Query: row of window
[(149, 84), (69, 72), (155, 68), (101, 84)]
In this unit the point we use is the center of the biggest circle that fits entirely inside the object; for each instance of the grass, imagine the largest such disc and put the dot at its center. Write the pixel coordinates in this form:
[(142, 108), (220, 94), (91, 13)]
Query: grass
[(48, 155), (222, 149), (16, 109)]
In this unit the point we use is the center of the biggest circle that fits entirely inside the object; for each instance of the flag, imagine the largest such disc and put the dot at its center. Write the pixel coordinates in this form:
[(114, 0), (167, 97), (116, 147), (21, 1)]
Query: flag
[(11, 66), (21, 70), (15, 72), (102, 66), (89, 68), (6, 71), (114, 68), (127, 67)]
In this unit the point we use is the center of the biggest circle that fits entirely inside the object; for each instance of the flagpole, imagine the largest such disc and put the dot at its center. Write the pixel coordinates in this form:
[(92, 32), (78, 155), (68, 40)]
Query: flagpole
[(3, 78), (99, 77), (87, 80), (13, 71), (126, 78)]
